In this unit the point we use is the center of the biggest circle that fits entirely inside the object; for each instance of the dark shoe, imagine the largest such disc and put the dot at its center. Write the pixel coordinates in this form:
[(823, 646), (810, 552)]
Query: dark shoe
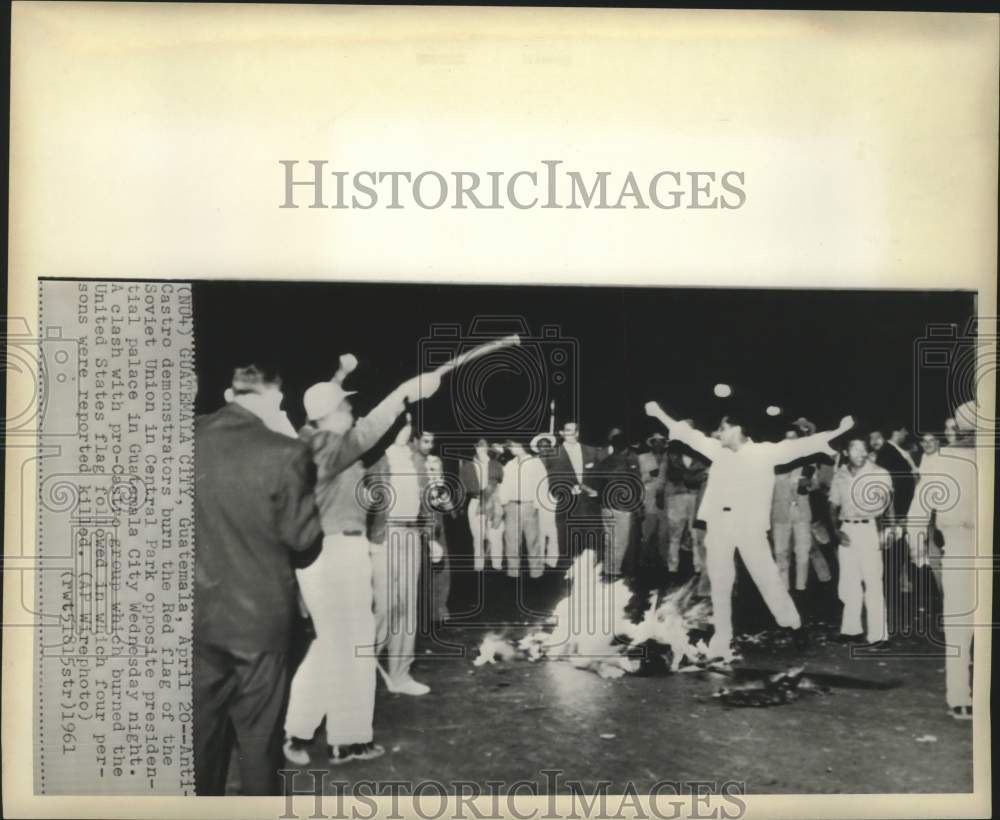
[(961, 712), (800, 638), (850, 639), (354, 751), (876, 646)]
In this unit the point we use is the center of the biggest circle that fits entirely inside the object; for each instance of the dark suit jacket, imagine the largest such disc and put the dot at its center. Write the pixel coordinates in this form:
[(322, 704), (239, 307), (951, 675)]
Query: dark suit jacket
[(253, 503), (682, 478), (468, 474), (619, 482), (562, 476), (904, 482)]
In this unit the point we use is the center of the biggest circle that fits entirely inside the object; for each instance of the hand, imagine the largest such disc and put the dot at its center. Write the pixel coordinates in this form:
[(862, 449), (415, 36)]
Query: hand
[(653, 409), (846, 423), (437, 552), (421, 387), (348, 363), (842, 537)]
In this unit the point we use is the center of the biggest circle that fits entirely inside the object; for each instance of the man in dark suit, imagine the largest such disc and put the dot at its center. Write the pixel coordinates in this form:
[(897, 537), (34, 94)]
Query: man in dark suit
[(253, 505), (891, 455), (578, 508)]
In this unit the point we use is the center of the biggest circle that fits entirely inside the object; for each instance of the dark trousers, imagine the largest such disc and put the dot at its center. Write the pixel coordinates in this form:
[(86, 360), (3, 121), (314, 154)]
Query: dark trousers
[(242, 695)]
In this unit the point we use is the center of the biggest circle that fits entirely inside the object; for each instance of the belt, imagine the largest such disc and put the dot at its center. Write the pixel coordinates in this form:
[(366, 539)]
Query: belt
[(855, 520), (353, 533)]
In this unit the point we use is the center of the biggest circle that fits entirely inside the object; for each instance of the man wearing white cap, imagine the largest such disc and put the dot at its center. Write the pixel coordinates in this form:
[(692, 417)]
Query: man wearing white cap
[(336, 680), (950, 492)]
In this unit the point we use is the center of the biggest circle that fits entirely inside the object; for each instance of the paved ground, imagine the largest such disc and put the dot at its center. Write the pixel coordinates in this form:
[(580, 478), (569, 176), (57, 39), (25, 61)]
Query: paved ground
[(513, 720)]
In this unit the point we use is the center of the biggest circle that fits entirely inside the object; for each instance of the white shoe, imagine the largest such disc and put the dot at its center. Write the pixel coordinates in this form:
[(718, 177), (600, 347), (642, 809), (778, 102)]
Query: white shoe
[(408, 686)]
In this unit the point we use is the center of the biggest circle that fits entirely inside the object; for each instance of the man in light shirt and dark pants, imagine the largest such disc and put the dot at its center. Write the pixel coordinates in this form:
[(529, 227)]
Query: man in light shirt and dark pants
[(860, 493), (736, 508)]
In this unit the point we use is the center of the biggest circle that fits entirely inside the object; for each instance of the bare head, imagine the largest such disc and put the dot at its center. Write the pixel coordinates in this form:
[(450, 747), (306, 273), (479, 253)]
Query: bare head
[(257, 388), (951, 432), (425, 443), (515, 447), (876, 440), (570, 432), (857, 453), (929, 443), (733, 432)]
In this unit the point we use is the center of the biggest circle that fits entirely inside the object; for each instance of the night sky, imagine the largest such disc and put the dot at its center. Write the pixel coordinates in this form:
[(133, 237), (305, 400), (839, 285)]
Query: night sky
[(815, 353)]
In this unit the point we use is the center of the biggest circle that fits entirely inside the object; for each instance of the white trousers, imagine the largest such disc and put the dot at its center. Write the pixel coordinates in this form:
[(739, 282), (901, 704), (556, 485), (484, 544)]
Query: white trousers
[(724, 536), (396, 580), (861, 581), (959, 613), (337, 677), (485, 536)]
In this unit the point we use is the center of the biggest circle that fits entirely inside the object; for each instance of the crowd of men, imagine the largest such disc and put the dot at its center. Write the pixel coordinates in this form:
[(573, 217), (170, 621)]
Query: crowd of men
[(333, 523)]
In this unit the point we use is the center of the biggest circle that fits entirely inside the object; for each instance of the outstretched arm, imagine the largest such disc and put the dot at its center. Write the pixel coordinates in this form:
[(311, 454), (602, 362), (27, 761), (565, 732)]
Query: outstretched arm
[(795, 448), (684, 432)]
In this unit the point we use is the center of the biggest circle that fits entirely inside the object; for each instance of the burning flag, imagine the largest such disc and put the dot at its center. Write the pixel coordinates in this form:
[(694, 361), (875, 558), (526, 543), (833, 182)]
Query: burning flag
[(493, 647), (607, 627)]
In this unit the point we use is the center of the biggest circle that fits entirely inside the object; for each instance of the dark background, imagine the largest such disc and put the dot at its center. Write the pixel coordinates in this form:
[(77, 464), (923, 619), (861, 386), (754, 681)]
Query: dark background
[(816, 353)]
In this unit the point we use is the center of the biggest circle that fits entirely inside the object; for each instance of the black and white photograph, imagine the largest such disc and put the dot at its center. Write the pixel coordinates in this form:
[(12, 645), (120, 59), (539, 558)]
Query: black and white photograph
[(584, 535), (485, 412)]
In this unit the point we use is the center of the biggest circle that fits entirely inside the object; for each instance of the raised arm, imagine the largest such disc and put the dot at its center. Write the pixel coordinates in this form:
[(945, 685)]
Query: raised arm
[(684, 432), (792, 449), (366, 433)]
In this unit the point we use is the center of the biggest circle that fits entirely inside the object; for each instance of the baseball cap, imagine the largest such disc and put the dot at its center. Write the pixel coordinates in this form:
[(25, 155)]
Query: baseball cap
[(323, 398)]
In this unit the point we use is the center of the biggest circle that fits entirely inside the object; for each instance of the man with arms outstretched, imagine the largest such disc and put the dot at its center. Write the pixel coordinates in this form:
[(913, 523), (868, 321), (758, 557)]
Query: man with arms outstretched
[(736, 508)]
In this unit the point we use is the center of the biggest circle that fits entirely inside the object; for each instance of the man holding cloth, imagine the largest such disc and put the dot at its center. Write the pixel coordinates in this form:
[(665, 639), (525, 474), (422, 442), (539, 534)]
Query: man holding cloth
[(336, 680)]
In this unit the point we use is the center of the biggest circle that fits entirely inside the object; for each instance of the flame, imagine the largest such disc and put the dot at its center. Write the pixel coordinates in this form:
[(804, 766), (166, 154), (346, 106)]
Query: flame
[(591, 627)]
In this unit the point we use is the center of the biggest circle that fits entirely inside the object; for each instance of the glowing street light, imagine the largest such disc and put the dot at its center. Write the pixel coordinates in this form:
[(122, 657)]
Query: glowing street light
[(723, 391), (773, 410)]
